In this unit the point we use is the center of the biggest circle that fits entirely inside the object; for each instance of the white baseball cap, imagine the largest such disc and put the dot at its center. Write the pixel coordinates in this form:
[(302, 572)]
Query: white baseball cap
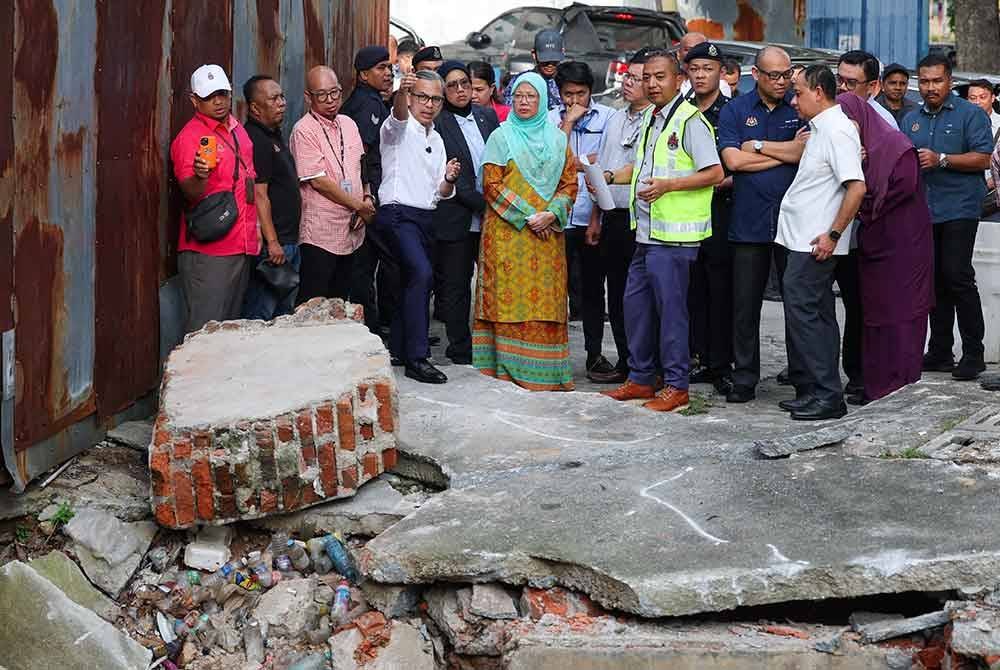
[(208, 79)]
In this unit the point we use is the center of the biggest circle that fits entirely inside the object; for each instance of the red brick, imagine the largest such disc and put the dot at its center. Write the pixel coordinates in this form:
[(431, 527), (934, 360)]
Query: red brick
[(159, 472), (262, 435), (367, 431), (268, 501), (227, 506), (389, 458), (328, 468), (202, 440), (201, 471), (284, 425), (244, 476), (345, 423), (371, 465), (384, 395), (161, 438), (558, 601), (248, 504), (362, 392), (182, 448), (290, 494), (244, 426), (223, 479), (303, 420), (165, 515), (309, 495), (324, 419), (309, 454), (349, 477), (183, 498)]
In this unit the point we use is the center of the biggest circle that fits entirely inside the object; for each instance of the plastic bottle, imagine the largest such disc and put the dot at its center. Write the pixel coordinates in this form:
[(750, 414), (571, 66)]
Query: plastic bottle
[(246, 580), (341, 603), (260, 572), (300, 559), (253, 642), (279, 548), (341, 558), (317, 552)]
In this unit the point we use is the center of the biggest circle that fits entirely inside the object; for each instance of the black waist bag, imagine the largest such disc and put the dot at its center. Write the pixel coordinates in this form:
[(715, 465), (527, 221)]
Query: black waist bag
[(215, 215)]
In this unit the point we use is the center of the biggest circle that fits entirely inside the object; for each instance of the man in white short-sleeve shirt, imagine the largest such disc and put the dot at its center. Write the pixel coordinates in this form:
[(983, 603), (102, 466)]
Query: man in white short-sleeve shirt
[(814, 226)]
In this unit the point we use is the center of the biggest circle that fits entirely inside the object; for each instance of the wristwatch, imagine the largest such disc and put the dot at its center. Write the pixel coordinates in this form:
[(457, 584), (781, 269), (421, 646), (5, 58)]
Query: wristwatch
[(834, 235), (758, 146), (943, 161), (609, 177)]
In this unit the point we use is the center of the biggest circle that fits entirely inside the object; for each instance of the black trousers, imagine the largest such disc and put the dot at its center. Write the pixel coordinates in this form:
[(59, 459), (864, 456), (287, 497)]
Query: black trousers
[(376, 279), (454, 263), (849, 280), (956, 292), (812, 330), (616, 248), (574, 270), (324, 274), (592, 275), (751, 265), (710, 296)]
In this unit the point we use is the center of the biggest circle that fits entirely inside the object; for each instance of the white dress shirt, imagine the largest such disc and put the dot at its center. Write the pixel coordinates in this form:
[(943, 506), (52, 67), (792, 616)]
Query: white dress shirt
[(884, 113), (831, 158), (477, 147), (413, 164)]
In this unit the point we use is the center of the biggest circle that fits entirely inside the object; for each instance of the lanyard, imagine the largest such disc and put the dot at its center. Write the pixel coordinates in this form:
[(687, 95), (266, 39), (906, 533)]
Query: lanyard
[(235, 150), (340, 133), (652, 120)]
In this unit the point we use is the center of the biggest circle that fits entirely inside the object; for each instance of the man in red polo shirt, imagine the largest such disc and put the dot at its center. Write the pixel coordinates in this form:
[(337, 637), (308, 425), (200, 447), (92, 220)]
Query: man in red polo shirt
[(215, 274)]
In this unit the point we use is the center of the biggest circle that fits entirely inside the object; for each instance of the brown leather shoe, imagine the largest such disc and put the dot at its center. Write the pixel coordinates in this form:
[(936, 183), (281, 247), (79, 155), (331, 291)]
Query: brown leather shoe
[(631, 391), (668, 400)]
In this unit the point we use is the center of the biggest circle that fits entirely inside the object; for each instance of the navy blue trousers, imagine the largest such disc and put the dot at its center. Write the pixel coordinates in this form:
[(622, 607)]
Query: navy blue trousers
[(656, 314), (409, 234)]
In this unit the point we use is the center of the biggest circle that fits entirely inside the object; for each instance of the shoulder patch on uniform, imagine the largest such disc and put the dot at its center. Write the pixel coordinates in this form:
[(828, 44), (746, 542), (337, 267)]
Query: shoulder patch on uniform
[(915, 127), (374, 119), (751, 121)]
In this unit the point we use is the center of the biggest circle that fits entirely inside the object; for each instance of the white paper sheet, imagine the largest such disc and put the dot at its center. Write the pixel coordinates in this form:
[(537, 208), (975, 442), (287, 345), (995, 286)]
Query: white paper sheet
[(595, 177)]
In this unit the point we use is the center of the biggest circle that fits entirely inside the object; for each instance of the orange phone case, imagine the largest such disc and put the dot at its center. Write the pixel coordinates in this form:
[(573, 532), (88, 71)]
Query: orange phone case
[(208, 151)]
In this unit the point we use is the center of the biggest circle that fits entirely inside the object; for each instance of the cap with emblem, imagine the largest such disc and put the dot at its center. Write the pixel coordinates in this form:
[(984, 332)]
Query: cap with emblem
[(369, 57), (549, 46), (208, 79), (427, 53), (704, 51)]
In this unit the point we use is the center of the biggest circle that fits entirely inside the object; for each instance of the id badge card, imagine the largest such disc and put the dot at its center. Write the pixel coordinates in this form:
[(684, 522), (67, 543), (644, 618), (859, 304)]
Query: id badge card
[(248, 186), (346, 185)]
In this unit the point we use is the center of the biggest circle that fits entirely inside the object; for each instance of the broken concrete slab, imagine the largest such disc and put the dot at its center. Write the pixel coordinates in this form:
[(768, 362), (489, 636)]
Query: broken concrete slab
[(407, 648), (342, 648), (975, 630), (42, 627), (707, 536), (469, 634), (60, 569), (287, 609), (886, 629), (132, 434), (240, 436), (392, 600), (814, 439), (375, 507), (112, 577), (492, 602)]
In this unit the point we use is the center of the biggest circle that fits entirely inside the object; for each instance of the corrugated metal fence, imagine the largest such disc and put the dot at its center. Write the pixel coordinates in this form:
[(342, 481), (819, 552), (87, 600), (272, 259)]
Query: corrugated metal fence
[(894, 30), (91, 93)]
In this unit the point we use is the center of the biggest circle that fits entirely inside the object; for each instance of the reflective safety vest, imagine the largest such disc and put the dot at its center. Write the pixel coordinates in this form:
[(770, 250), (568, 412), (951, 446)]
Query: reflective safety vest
[(677, 216)]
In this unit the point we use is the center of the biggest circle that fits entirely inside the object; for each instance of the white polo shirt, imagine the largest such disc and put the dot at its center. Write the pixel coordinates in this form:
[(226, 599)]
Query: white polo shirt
[(831, 158), (413, 164)]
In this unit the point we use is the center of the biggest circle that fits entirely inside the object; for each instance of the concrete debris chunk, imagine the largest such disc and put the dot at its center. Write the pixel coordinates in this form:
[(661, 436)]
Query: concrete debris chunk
[(287, 609), (824, 437), (42, 627), (392, 600), (407, 648), (468, 634), (60, 569), (492, 602), (132, 434), (976, 632), (877, 631), (112, 578), (342, 648), (243, 436)]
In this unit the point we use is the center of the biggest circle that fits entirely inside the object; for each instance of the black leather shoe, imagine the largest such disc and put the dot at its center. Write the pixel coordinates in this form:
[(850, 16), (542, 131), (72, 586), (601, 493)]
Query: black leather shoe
[(858, 399), (820, 411), (741, 394), (600, 371), (797, 404), (938, 364), (396, 361), (422, 371), (723, 384), (783, 379), (433, 340), (461, 359), (700, 375), (968, 369), (854, 389)]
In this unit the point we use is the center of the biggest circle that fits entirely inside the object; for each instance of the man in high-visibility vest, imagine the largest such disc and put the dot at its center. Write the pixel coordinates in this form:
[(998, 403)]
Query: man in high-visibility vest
[(676, 167)]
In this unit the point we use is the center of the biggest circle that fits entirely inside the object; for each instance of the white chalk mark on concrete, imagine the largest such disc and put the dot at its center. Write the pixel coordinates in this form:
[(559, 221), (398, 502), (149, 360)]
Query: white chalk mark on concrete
[(630, 512), (781, 557), (437, 402), (498, 415), (940, 397), (645, 493), (83, 637)]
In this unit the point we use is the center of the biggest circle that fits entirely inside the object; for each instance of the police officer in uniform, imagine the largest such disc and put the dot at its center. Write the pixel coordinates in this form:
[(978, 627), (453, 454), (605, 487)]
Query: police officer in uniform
[(710, 296), (367, 108)]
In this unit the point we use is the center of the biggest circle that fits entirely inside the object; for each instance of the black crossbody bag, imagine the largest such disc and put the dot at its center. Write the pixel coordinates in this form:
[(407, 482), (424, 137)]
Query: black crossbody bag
[(215, 215)]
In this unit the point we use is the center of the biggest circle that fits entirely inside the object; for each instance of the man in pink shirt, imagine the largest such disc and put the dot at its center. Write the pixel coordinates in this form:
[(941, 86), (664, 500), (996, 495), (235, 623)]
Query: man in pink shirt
[(215, 274), (336, 205)]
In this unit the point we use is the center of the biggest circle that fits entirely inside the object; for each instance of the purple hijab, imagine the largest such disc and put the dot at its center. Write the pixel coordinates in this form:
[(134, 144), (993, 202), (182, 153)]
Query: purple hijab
[(884, 145)]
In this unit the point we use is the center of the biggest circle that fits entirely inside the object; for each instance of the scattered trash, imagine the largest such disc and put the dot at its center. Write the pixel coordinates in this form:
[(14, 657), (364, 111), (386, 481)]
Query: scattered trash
[(341, 603), (340, 556), (104, 535), (210, 550), (253, 641)]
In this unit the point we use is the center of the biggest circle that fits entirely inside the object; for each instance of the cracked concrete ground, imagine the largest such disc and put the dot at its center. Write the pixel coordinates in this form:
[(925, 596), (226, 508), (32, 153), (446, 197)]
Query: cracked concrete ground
[(666, 514)]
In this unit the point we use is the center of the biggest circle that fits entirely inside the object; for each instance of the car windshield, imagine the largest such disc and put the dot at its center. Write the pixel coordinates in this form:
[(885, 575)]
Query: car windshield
[(620, 36)]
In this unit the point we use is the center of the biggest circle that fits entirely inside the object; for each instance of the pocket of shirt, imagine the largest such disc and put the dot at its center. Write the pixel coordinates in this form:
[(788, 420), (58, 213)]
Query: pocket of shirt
[(950, 141)]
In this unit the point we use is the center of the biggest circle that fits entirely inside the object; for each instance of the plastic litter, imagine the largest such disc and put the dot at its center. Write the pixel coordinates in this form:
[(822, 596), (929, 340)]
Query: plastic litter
[(253, 641), (311, 662), (340, 556), (300, 559), (104, 535), (341, 603)]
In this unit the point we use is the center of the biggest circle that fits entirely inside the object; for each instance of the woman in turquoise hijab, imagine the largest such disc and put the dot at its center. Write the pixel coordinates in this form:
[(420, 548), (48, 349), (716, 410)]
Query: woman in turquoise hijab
[(520, 332)]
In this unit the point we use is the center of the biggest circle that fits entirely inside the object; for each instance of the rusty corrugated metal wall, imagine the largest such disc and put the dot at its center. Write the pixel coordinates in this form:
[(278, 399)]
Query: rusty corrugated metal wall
[(91, 94)]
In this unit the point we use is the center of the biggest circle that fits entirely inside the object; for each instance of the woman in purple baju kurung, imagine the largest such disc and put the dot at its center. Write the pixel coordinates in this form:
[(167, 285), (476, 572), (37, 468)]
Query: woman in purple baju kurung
[(896, 261)]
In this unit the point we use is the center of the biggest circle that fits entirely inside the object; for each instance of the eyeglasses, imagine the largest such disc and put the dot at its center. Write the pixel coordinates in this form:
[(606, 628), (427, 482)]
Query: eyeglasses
[(525, 97), (458, 84), (631, 79), (851, 83), (428, 100), (776, 75), (323, 96)]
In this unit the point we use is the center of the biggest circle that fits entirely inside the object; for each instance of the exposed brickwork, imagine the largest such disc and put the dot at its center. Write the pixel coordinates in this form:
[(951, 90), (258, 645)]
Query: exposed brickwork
[(252, 466)]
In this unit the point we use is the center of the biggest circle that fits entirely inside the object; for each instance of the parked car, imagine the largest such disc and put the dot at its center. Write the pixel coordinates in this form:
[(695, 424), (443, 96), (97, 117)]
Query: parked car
[(595, 35)]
